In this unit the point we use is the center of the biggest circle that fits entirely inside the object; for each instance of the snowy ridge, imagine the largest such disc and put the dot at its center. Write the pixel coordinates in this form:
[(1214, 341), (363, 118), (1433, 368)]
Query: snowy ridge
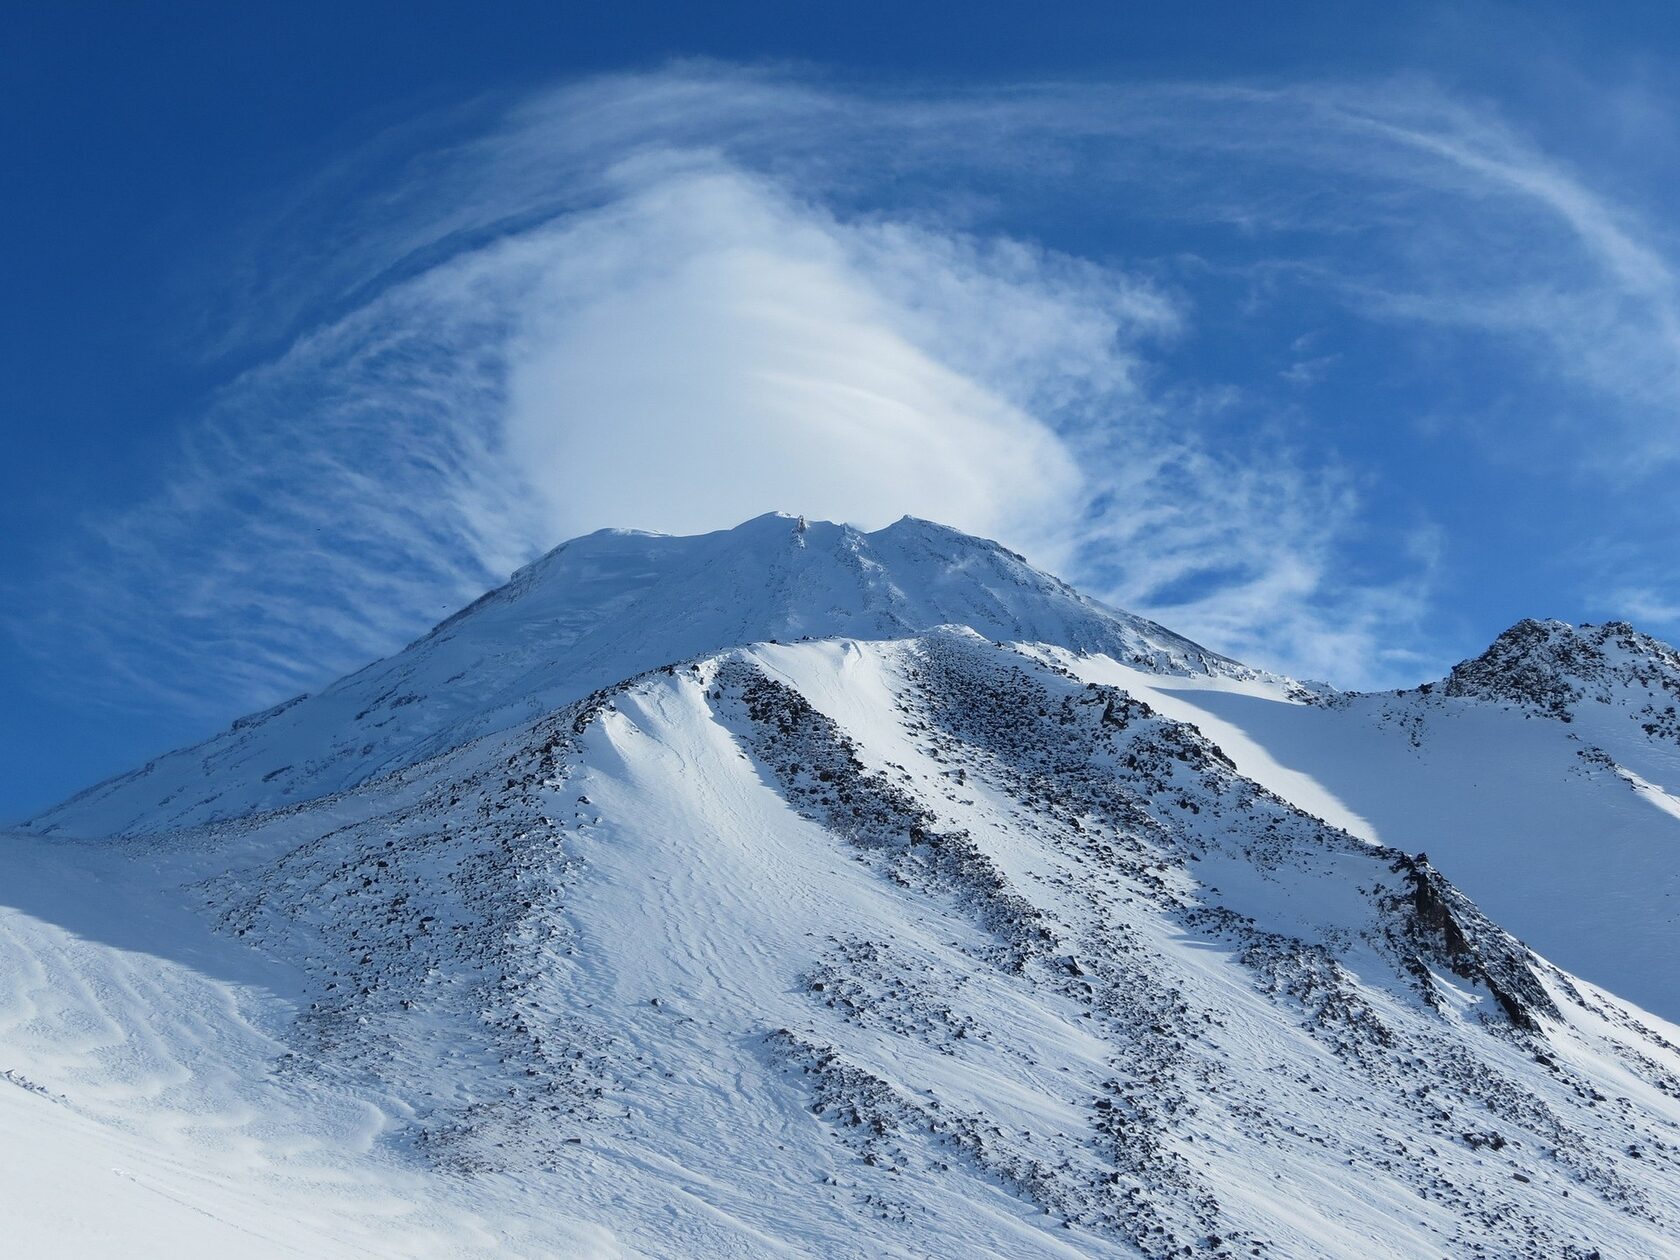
[(602, 608), (1564, 832), (1618, 687)]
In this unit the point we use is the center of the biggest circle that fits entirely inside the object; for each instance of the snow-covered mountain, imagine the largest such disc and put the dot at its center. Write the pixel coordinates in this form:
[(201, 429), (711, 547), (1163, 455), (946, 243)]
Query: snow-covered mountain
[(603, 608), (891, 899)]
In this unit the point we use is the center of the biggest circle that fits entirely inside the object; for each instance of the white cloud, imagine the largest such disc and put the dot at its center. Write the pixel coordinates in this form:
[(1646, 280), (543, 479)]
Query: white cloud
[(705, 349), (698, 349), (1650, 609), (676, 300)]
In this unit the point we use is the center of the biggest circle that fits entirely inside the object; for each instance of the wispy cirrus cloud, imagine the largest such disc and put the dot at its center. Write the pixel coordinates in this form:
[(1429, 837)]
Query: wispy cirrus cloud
[(674, 300)]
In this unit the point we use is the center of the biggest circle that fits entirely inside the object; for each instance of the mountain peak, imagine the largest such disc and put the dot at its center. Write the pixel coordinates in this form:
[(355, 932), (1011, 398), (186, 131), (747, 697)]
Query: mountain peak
[(610, 605), (1551, 666), (1535, 663)]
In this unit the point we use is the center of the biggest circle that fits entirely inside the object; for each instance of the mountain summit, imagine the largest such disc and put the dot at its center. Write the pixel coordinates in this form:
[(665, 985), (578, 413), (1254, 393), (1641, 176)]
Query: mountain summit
[(600, 609), (793, 890)]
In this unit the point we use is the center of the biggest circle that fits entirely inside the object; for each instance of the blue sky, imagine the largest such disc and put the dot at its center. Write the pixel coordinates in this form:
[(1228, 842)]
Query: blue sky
[(1339, 340)]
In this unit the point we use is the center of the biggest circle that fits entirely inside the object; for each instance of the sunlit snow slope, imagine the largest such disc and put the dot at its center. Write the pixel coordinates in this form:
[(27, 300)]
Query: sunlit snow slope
[(1052, 937)]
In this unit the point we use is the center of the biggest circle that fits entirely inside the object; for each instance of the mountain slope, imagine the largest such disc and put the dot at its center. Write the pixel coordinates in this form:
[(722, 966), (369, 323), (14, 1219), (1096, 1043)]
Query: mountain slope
[(797, 891), (928, 948), (1544, 776), (141, 1091), (602, 608)]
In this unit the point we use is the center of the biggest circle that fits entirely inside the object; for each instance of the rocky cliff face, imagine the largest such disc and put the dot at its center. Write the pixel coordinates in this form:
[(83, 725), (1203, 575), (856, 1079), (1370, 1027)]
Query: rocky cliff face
[(1553, 668)]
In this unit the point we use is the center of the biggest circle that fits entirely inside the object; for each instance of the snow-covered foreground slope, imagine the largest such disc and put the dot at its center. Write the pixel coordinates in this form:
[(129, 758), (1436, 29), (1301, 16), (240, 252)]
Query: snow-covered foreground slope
[(603, 608), (922, 947), (143, 1103)]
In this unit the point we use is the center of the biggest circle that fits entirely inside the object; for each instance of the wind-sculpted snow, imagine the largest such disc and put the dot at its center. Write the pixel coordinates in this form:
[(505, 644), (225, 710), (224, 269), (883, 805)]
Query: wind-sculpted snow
[(440, 907)]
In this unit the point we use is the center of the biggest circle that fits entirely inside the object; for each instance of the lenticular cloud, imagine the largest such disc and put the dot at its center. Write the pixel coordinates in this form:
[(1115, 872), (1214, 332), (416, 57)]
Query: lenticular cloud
[(676, 300), (699, 347)]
